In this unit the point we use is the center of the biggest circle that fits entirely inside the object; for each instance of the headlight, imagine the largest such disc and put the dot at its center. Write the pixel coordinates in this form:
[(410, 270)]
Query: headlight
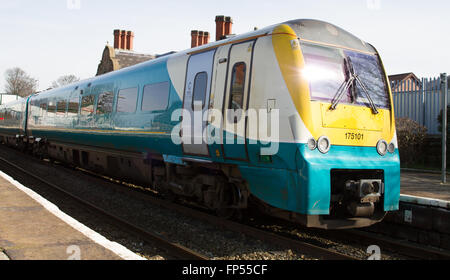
[(391, 148), (382, 147), (324, 144), (312, 144)]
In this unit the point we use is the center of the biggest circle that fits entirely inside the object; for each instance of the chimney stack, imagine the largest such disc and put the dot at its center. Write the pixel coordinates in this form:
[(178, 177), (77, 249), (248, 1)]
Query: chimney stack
[(117, 39), (200, 37), (228, 26), (123, 39), (220, 27), (224, 26), (130, 40), (194, 38), (206, 38)]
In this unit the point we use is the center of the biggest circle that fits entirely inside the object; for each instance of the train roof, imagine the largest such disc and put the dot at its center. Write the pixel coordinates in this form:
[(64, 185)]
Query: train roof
[(306, 29), (324, 32), (19, 101)]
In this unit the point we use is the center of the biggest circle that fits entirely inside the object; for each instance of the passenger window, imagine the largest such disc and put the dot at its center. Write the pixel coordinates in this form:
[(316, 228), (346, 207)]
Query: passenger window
[(73, 107), (61, 108), (43, 109), (200, 85), (34, 108), (51, 109), (155, 97), (87, 105), (127, 100), (105, 103), (237, 86)]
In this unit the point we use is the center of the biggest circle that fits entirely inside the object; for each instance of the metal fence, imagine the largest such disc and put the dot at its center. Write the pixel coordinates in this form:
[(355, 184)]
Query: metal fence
[(420, 101)]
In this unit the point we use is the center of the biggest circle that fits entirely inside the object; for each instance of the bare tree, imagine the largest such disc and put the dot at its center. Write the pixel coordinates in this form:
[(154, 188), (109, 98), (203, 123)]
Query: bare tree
[(65, 80), (18, 82)]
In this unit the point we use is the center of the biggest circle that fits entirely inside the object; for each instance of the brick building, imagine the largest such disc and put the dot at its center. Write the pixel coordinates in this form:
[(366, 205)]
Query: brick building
[(121, 55)]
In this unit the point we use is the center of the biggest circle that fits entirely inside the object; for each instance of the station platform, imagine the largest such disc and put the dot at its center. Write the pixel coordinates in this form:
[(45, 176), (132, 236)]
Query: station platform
[(31, 228), (426, 185), (424, 211)]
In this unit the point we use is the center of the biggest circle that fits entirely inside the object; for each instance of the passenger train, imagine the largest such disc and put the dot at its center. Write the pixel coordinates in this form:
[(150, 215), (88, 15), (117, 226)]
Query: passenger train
[(336, 165)]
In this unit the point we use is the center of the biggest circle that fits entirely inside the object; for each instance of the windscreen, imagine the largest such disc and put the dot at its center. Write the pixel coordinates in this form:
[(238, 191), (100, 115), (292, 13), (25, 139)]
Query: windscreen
[(327, 69)]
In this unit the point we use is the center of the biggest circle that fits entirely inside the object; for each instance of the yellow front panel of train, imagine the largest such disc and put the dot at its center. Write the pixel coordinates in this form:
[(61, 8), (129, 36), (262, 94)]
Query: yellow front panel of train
[(351, 117)]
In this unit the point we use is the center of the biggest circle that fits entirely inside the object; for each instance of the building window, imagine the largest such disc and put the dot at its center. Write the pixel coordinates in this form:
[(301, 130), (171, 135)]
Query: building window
[(87, 105), (73, 106), (155, 97), (127, 100), (200, 86), (105, 103), (237, 86)]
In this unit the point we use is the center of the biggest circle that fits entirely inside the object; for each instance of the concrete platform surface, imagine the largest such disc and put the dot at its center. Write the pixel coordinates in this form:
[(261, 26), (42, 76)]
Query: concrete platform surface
[(424, 185), (28, 231), (3, 256)]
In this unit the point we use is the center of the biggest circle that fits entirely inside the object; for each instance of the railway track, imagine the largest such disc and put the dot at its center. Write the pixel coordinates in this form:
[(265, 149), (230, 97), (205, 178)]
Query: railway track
[(362, 237), (176, 250), (303, 247)]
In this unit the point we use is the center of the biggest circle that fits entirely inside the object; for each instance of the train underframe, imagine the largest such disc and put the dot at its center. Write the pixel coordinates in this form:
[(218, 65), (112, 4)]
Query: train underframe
[(356, 196)]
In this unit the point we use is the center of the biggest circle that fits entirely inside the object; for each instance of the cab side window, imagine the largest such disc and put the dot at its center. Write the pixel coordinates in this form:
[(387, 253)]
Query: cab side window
[(200, 85), (237, 86)]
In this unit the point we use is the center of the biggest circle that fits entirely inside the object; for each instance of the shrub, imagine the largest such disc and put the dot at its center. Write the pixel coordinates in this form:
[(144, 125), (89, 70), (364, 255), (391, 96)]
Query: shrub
[(410, 136), (448, 120)]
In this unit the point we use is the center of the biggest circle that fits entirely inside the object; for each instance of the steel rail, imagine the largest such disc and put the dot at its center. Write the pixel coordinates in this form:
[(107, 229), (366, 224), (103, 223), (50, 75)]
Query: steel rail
[(177, 250)]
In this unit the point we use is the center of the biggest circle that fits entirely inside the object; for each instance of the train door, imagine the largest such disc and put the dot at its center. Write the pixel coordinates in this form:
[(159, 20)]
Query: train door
[(196, 100), (236, 101)]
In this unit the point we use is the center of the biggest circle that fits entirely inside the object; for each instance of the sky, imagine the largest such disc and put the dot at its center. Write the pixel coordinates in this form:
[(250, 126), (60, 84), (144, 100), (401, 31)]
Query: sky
[(51, 38)]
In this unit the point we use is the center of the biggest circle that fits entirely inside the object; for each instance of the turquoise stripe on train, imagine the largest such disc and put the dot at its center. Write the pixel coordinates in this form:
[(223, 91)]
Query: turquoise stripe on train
[(307, 190)]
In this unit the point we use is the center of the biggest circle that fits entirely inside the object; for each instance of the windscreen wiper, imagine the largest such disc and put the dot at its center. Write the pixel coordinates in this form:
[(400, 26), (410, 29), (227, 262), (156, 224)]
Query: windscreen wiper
[(344, 86), (363, 86), (352, 77)]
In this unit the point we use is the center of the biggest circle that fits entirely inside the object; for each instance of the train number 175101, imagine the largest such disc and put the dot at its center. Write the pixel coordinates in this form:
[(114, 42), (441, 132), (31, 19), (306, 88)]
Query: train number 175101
[(354, 136)]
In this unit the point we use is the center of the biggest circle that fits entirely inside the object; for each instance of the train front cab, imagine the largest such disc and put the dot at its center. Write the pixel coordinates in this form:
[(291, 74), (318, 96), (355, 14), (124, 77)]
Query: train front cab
[(349, 170)]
